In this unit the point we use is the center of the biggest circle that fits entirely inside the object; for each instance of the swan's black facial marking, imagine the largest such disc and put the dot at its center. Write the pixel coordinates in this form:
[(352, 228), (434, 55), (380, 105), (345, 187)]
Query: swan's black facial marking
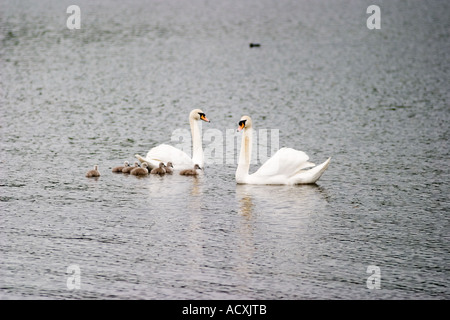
[(241, 125), (203, 117)]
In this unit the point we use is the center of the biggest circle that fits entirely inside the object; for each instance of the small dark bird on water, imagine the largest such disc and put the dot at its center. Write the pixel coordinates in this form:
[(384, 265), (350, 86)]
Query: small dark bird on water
[(254, 45)]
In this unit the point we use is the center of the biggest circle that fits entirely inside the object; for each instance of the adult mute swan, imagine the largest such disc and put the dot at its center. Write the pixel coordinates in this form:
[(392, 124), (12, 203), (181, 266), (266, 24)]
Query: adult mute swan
[(286, 166), (180, 160)]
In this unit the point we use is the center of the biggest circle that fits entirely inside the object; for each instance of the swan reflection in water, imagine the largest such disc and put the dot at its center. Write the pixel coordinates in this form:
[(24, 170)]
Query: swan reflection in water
[(280, 199), (279, 209), (176, 188), (273, 221)]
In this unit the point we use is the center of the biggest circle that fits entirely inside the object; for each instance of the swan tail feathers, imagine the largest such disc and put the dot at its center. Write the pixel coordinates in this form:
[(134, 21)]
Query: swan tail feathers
[(312, 175), (140, 158)]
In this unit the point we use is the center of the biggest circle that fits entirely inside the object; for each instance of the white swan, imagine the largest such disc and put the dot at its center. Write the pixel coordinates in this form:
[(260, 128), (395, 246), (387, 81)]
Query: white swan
[(180, 160), (286, 166)]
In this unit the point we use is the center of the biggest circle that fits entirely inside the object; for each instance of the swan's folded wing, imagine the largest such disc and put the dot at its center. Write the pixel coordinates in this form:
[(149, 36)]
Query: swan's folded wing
[(286, 162), (165, 153)]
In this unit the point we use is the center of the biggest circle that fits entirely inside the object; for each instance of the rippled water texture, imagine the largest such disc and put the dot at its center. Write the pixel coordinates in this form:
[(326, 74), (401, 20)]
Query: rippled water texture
[(376, 101)]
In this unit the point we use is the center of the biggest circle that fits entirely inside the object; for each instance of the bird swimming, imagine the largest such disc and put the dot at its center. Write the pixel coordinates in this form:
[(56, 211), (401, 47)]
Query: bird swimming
[(93, 173), (140, 171), (169, 168), (160, 170), (120, 168), (128, 169), (286, 166), (191, 172), (179, 158)]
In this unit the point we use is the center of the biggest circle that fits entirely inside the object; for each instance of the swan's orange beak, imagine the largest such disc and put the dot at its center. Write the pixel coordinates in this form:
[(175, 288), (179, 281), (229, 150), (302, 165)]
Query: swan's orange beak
[(241, 126), (204, 118)]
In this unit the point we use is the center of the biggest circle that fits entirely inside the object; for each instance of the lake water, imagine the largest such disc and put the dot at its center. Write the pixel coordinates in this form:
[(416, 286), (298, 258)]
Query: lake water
[(376, 101)]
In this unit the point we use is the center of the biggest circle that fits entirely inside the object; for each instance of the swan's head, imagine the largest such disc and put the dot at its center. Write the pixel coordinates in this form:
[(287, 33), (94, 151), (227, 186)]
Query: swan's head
[(96, 167), (126, 164), (161, 165), (144, 165), (197, 167), (169, 164), (136, 164), (245, 123), (198, 114)]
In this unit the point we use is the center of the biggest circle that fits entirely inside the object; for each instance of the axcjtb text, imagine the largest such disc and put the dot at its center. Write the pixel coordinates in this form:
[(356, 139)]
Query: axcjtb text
[(237, 309)]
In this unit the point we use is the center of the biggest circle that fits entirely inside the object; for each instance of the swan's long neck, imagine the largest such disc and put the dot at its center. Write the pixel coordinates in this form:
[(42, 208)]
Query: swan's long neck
[(244, 155), (197, 149)]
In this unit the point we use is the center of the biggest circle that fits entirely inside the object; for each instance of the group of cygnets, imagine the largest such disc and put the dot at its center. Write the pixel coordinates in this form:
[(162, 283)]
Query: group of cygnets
[(143, 170)]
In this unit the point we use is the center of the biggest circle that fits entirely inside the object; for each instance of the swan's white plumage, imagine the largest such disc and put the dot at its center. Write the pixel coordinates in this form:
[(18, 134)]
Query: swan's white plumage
[(165, 153), (286, 166), (180, 159), (286, 161)]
